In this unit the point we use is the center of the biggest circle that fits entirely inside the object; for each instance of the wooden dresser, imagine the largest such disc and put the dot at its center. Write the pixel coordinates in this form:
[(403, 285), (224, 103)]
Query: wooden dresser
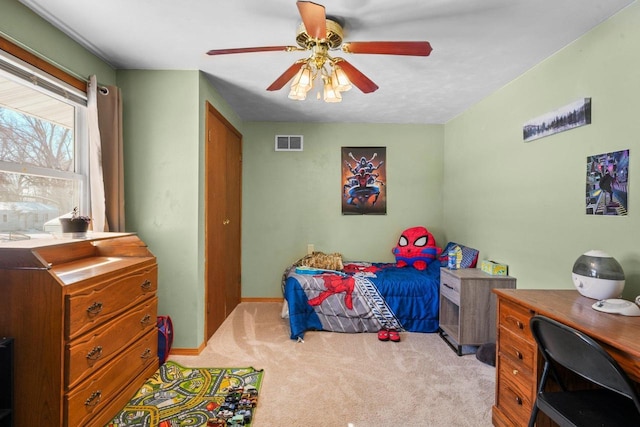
[(82, 313), (518, 362)]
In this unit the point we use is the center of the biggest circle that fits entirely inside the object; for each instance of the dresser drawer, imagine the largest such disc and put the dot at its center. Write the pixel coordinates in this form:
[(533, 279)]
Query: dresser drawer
[(88, 353), (515, 319), (450, 287), (91, 396), (514, 394), (96, 304), (519, 350)]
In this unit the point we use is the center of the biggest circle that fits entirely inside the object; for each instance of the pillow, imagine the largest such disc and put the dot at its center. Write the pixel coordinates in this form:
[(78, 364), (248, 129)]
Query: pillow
[(469, 255)]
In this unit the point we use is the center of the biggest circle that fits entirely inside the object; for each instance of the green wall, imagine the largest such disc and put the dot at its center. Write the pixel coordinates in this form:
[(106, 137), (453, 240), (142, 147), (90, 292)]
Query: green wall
[(291, 199), (161, 133), (524, 203)]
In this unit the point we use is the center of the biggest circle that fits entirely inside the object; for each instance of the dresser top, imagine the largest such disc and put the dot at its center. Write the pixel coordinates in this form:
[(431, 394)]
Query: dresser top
[(46, 252), (53, 239)]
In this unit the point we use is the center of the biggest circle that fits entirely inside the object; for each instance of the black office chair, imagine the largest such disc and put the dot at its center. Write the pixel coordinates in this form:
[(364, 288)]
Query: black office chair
[(614, 403)]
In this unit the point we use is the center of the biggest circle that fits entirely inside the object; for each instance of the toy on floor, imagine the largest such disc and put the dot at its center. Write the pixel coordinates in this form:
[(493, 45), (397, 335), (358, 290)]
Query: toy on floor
[(416, 248), (237, 407)]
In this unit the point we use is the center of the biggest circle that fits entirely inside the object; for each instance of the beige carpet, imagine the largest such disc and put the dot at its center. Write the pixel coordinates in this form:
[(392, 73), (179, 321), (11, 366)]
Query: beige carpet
[(334, 379)]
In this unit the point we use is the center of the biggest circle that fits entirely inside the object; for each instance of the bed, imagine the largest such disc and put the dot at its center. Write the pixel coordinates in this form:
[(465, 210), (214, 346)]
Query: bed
[(363, 297)]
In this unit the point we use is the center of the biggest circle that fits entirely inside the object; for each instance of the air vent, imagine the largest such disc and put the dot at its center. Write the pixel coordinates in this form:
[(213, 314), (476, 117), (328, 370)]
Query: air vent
[(288, 142)]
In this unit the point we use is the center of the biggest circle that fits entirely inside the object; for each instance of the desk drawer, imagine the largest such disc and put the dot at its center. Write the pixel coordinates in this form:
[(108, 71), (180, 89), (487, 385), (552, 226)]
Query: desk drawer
[(515, 319), (96, 304), (523, 378), (519, 350), (514, 393), (88, 353)]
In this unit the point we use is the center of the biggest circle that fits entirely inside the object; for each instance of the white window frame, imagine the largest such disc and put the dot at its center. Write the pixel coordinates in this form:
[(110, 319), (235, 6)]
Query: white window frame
[(27, 75)]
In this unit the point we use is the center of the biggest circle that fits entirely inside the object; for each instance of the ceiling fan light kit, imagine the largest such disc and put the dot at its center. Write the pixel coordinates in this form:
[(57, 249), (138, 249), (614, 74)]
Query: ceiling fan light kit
[(319, 35), (340, 79), (302, 83), (315, 68), (330, 94)]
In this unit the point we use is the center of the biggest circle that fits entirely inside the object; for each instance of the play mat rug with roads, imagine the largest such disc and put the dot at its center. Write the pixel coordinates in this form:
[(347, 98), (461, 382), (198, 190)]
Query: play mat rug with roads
[(179, 396)]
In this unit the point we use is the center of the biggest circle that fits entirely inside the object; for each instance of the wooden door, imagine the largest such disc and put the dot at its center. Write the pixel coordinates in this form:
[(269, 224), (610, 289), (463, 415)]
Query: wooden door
[(233, 226), (223, 171)]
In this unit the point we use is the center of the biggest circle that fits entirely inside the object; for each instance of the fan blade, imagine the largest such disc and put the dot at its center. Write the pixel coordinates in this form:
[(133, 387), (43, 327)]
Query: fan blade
[(250, 50), (314, 19), (389, 48), (286, 76), (358, 79)]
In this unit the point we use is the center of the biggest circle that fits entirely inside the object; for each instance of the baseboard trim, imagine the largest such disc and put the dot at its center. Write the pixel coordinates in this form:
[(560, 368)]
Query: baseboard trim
[(271, 299), (187, 351)]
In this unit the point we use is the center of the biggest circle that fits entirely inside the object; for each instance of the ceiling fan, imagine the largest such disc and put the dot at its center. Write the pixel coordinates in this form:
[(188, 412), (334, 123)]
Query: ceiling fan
[(321, 34)]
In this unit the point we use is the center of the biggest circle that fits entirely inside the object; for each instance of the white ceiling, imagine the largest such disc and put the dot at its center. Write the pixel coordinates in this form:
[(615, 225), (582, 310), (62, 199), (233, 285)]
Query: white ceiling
[(478, 47)]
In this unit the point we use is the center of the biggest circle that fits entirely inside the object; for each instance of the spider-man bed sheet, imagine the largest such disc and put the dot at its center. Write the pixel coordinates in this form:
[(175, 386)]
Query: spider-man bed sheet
[(365, 298)]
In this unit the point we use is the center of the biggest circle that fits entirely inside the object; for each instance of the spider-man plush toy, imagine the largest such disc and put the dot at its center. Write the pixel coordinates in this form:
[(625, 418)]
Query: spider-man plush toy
[(416, 248)]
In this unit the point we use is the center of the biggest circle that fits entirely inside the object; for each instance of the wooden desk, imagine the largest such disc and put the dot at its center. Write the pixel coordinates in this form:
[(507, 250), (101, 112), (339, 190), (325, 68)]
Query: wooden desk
[(518, 362)]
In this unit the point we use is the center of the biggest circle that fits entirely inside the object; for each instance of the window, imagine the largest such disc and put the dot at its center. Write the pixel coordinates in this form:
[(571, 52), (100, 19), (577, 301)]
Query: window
[(43, 147)]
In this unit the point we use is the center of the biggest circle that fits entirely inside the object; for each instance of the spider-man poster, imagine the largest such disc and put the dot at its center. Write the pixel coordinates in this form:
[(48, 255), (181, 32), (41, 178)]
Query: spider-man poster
[(607, 178), (364, 181)]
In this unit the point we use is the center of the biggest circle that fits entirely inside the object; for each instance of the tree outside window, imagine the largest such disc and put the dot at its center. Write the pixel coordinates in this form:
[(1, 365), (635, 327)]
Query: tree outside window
[(38, 164)]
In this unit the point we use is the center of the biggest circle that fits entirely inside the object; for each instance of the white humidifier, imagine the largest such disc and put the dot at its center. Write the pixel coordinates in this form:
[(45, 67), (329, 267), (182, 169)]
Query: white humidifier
[(598, 275)]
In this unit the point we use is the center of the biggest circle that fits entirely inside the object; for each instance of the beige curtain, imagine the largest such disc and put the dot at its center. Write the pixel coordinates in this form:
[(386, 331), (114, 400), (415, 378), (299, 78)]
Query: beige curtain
[(96, 184), (110, 123)]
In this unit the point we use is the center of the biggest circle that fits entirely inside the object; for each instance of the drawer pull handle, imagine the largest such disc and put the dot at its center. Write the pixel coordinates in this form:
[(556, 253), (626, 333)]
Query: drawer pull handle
[(146, 285), (515, 372), (146, 354), (95, 308), (94, 399), (95, 353), (518, 400), (517, 322), (519, 355), (145, 320), (450, 287)]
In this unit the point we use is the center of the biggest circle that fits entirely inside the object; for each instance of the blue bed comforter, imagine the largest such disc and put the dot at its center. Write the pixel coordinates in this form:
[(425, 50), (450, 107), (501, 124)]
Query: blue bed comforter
[(368, 297)]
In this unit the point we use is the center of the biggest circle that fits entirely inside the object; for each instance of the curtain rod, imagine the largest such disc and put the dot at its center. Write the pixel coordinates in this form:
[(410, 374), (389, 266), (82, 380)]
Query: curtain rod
[(25, 53), (41, 62)]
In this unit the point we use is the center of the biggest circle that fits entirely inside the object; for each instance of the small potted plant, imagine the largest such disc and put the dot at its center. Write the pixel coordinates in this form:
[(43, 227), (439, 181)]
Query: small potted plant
[(76, 223)]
